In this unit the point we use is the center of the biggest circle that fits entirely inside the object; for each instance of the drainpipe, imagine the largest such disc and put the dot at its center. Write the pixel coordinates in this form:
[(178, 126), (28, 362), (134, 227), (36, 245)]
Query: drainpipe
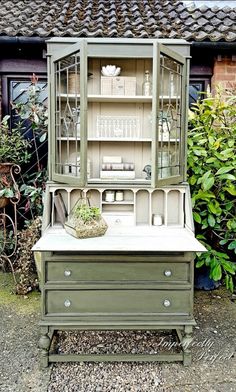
[(6, 40), (214, 46)]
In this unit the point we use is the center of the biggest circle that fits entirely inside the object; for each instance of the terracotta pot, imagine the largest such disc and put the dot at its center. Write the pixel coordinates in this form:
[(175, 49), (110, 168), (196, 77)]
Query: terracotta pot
[(4, 201), (5, 167)]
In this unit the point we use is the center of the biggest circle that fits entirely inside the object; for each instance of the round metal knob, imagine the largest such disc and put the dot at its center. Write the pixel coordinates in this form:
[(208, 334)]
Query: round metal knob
[(67, 273), (166, 303), (67, 303), (167, 273), (118, 221)]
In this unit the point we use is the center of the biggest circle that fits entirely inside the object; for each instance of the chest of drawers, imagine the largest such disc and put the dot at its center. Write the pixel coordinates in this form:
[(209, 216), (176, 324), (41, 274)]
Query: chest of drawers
[(116, 290)]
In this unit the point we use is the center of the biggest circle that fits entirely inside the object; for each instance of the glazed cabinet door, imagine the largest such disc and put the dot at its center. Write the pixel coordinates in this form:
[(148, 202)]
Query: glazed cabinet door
[(169, 116), (68, 114)]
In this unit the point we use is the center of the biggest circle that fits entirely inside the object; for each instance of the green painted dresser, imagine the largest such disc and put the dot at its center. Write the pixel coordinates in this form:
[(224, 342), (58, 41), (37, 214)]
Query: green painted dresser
[(118, 138)]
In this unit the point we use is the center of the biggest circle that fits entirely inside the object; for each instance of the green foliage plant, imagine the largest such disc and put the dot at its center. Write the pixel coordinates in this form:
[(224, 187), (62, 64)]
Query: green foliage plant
[(14, 149), (13, 146), (86, 213), (34, 109), (32, 190), (212, 175), (35, 113)]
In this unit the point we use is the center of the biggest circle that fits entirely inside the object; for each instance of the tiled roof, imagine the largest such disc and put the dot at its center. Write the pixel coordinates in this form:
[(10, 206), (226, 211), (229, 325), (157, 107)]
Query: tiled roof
[(117, 18)]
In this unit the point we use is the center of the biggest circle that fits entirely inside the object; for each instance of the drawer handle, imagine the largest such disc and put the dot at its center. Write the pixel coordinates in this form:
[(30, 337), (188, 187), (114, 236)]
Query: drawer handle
[(118, 221), (67, 303), (167, 273), (166, 303), (67, 273)]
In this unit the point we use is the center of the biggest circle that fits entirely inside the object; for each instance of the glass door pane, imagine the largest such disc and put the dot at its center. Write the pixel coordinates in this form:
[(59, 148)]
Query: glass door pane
[(170, 117), (69, 120)]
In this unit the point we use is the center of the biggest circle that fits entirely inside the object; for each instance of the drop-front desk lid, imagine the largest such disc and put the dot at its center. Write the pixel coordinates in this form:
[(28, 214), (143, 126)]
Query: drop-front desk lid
[(125, 239)]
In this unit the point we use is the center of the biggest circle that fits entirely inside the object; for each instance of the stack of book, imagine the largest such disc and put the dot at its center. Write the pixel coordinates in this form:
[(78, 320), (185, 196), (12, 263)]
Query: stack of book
[(113, 168)]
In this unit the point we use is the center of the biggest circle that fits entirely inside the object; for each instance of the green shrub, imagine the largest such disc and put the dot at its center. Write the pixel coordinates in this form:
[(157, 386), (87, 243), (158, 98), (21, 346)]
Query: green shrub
[(211, 174)]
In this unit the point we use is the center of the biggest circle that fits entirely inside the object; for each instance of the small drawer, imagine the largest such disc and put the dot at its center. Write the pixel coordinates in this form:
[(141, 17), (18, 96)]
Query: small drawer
[(119, 219), (115, 302), (116, 271)]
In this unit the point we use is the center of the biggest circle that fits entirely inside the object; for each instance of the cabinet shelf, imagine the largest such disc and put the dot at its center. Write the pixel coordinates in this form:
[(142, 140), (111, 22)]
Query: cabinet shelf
[(116, 139), (139, 181), (117, 98), (141, 140), (124, 202)]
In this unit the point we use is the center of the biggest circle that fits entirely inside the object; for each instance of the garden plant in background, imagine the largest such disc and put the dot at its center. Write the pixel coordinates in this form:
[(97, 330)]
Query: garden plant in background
[(14, 151), (33, 114), (29, 119), (212, 178), (14, 148)]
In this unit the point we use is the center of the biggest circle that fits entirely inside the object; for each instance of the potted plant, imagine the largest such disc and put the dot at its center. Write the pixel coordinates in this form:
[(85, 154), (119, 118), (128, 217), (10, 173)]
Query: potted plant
[(85, 221)]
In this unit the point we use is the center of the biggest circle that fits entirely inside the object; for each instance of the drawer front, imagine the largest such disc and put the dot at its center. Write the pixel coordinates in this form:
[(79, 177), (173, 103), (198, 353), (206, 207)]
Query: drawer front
[(114, 302), (119, 220), (79, 271)]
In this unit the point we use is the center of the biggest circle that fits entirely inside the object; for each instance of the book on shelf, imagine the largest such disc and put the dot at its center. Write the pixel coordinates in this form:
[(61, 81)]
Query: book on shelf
[(112, 158), (118, 166), (117, 174), (60, 208)]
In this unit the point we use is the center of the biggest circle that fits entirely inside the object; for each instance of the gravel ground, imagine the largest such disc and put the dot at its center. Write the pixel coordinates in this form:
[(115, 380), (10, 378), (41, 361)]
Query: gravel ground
[(214, 353), (19, 362), (214, 356)]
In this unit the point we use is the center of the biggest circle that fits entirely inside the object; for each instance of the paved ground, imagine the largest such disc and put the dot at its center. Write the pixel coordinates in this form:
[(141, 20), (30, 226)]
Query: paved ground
[(214, 354)]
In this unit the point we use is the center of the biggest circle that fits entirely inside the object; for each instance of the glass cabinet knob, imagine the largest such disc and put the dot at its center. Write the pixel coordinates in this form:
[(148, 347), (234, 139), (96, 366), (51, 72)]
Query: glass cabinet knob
[(166, 303), (67, 273), (167, 273), (67, 303)]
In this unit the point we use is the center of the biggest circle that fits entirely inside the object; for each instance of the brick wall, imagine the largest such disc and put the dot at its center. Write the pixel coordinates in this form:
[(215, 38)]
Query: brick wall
[(224, 72)]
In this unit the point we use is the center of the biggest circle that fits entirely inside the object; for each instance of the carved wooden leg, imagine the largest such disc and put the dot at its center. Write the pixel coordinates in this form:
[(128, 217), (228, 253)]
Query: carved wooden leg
[(186, 344), (44, 345)]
